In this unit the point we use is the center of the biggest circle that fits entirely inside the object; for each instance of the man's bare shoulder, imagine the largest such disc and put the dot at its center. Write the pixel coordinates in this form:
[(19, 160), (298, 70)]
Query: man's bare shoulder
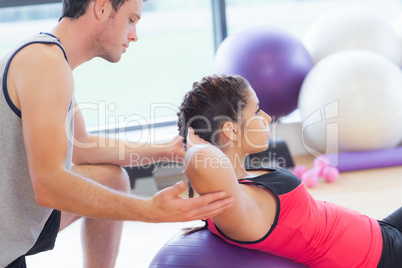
[(40, 70), (36, 55)]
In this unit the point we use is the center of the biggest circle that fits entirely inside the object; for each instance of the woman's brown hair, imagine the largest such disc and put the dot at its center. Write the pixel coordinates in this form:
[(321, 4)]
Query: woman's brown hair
[(212, 102)]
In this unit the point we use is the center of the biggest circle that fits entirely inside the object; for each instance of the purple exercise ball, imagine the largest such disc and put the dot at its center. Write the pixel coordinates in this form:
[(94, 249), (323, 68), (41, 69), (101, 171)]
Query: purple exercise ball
[(203, 249), (272, 60)]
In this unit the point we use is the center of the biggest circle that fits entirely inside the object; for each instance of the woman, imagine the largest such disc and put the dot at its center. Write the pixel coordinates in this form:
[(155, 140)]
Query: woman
[(221, 123)]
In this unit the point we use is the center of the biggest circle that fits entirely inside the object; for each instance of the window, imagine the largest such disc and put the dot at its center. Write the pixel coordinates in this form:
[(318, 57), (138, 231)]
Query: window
[(175, 48), (296, 16), (20, 22)]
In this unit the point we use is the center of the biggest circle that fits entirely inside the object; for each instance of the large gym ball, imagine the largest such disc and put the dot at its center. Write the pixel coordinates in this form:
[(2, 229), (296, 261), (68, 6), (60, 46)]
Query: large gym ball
[(352, 28), (397, 26), (351, 101), (272, 60), (202, 249)]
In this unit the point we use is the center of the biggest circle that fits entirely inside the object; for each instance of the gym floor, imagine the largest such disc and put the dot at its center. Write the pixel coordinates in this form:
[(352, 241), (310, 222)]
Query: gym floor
[(375, 192)]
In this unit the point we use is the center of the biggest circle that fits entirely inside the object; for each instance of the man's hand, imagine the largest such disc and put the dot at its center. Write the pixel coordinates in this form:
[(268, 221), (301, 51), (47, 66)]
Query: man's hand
[(176, 152), (168, 206)]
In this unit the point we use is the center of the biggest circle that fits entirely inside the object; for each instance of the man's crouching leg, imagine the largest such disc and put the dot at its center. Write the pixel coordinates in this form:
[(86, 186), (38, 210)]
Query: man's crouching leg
[(100, 238)]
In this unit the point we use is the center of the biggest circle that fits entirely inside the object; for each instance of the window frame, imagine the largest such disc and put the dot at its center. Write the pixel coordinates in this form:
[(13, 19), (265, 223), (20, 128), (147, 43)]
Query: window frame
[(218, 8), (17, 3), (218, 14)]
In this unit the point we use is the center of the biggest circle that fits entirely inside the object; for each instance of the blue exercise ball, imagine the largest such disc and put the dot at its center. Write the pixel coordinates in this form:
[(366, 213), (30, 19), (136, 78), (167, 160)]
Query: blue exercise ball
[(272, 60)]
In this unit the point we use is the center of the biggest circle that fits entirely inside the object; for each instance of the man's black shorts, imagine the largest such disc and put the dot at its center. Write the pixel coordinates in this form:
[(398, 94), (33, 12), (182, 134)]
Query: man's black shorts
[(45, 240)]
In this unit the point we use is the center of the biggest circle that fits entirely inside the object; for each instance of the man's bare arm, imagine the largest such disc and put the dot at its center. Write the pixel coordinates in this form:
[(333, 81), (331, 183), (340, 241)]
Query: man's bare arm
[(44, 85)]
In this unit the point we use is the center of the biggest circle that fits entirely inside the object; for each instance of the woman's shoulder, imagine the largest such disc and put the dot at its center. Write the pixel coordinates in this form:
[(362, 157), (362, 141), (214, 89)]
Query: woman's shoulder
[(207, 161), (204, 151), (207, 155)]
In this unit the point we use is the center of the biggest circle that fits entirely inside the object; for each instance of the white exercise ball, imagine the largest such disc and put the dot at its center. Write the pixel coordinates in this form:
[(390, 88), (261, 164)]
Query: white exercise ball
[(352, 101), (397, 26), (352, 28)]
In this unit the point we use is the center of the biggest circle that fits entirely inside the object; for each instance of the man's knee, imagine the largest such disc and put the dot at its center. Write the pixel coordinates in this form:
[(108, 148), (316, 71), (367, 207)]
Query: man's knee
[(111, 176), (121, 179)]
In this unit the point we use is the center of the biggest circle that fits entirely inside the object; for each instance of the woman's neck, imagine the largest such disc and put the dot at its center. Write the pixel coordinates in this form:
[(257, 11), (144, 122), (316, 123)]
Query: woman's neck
[(237, 159)]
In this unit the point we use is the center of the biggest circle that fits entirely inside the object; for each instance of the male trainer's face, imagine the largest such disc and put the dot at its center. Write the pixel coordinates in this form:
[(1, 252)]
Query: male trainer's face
[(120, 30)]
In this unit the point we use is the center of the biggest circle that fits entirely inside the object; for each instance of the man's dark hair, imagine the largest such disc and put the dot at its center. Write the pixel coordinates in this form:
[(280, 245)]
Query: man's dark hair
[(74, 9)]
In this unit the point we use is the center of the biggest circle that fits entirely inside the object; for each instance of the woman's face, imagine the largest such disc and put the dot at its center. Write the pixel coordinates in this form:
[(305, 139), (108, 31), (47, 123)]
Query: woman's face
[(255, 125)]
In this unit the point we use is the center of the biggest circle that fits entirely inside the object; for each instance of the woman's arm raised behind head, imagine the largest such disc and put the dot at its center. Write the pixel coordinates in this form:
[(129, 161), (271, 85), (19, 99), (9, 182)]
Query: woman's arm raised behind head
[(210, 170)]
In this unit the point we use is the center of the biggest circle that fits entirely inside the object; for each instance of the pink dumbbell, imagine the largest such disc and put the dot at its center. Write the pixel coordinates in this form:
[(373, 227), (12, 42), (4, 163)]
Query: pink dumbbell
[(321, 169), (326, 171), (309, 177)]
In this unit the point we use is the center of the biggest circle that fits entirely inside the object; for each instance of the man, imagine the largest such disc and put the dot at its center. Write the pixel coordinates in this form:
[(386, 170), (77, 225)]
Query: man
[(39, 126)]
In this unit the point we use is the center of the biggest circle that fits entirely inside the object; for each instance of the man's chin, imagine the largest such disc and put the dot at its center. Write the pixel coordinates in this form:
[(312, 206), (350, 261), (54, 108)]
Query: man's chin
[(112, 59)]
